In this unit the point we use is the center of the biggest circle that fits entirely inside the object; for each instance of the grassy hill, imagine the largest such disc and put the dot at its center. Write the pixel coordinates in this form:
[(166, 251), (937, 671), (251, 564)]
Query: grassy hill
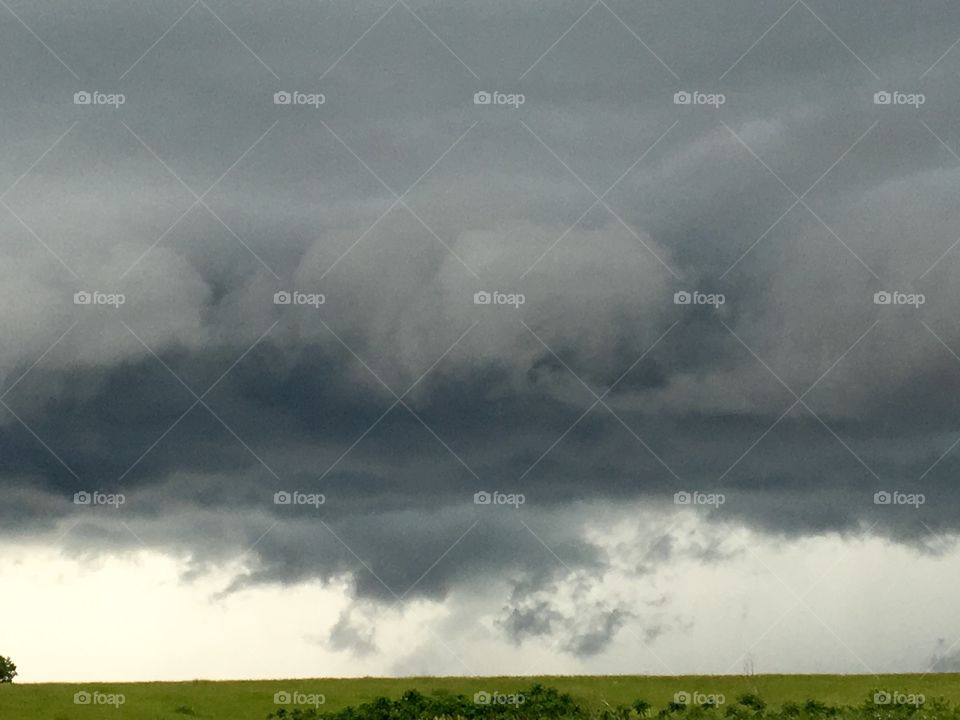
[(254, 700)]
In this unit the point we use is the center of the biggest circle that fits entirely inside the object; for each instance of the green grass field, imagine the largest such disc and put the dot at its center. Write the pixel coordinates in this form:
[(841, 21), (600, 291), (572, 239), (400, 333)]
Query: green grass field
[(253, 700)]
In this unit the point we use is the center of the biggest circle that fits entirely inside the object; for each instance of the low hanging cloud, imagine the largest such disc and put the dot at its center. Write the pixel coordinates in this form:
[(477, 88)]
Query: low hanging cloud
[(814, 391)]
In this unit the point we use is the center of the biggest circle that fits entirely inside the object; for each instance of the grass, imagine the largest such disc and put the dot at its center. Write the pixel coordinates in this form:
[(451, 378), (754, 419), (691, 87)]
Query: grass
[(253, 700)]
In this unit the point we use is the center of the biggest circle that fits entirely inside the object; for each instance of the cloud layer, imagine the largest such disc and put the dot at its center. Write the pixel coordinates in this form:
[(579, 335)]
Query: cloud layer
[(599, 199)]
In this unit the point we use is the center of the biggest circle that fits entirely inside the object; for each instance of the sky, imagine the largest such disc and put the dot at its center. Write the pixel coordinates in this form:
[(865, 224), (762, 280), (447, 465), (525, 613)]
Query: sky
[(408, 337)]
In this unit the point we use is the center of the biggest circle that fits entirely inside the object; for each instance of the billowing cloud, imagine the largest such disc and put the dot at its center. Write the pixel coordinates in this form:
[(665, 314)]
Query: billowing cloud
[(788, 215)]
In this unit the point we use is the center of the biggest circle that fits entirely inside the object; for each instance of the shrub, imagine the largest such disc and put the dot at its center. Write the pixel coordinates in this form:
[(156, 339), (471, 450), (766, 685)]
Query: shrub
[(8, 671), (752, 701), (620, 712), (543, 703), (538, 702)]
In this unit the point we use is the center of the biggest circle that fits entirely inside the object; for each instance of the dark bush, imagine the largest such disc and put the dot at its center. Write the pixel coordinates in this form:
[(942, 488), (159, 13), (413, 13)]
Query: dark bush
[(8, 671), (538, 702), (542, 703), (752, 701)]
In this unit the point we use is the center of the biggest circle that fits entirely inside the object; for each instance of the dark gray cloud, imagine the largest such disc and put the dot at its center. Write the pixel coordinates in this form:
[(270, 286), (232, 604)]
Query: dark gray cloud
[(346, 635), (496, 199), (580, 626), (534, 621), (597, 636)]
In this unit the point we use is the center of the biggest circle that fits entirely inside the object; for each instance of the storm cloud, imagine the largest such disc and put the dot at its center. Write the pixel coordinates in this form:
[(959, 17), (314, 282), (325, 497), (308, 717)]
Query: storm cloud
[(752, 297)]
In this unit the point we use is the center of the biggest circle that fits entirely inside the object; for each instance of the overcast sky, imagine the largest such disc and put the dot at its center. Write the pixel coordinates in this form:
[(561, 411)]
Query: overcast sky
[(711, 399)]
